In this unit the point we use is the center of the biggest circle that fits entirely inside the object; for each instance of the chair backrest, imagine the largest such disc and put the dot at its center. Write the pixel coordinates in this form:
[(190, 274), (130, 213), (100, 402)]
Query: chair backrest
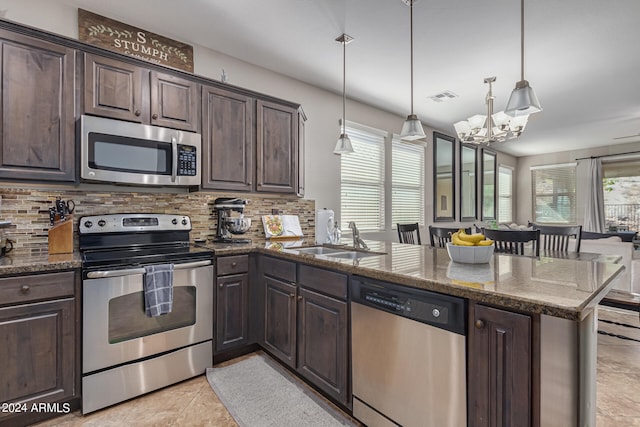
[(409, 233), (439, 236), (557, 237), (513, 241)]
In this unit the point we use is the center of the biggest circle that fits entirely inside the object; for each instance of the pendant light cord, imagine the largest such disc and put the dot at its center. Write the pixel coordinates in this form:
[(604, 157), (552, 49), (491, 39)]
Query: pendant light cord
[(521, 39), (344, 79), (411, 29)]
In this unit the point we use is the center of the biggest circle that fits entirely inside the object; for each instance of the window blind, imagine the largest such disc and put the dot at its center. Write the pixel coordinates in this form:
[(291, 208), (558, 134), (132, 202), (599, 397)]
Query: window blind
[(554, 194), (407, 183), (505, 194), (362, 181)]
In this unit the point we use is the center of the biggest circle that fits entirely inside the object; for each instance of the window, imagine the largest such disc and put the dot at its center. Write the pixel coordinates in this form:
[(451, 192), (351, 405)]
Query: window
[(362, 180), (505, 194), (407, 182), (621, 197), (554, 193)]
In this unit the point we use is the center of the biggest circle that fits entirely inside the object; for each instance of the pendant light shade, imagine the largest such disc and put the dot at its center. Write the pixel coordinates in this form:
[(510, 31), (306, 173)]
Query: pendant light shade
[(412, 127), (343, 146), (523, 100)]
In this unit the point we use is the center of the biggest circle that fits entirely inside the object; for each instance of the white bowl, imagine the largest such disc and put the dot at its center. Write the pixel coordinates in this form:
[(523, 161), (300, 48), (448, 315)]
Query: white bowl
[(470, 254)]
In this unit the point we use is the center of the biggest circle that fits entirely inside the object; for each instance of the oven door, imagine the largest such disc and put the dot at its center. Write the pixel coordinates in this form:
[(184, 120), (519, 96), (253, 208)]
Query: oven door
[(116, 329)]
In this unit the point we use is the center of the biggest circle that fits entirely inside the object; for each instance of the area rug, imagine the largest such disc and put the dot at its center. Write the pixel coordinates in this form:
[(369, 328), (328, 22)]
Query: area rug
[(257, 392)]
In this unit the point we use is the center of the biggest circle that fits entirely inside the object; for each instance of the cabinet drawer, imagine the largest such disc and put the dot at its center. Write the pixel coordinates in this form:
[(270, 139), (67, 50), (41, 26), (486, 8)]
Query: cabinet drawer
[(325, 281), (17, 290), (233, 265), (281, 269)]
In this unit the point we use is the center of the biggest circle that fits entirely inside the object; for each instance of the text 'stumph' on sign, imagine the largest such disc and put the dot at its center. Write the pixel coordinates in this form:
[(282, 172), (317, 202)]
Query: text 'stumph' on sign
[(122, 38)]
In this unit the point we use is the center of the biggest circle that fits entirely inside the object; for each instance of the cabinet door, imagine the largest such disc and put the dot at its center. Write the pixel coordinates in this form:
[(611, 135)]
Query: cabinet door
[(116, 89), (37, 136), (499, 390), (277, 148), (38, 352), (232, 311), (280, 320), (322, 342), (227, 140), (302, 118), (174, 102)]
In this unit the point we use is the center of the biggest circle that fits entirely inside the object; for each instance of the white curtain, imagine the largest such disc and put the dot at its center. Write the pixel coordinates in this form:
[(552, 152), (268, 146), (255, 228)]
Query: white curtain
[(594, 197)]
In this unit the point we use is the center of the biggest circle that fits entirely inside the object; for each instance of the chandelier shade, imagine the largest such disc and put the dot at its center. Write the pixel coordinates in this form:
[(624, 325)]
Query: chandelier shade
[(412, 128), (492, 127), (343, 145)]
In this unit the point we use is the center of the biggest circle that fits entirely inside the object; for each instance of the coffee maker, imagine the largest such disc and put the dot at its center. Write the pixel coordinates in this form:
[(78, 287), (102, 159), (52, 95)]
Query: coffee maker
[(228, 225)]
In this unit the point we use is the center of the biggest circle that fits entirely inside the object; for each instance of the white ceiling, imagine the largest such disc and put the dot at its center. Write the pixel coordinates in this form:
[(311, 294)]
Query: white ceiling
[(581, 56)]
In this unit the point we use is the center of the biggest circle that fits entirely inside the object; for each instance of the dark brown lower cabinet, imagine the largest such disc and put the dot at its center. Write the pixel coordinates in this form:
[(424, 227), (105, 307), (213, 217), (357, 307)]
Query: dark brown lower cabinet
[(232, 311), (38, 350), (499, 390), (322, 342), (280, 320), (305, 323)]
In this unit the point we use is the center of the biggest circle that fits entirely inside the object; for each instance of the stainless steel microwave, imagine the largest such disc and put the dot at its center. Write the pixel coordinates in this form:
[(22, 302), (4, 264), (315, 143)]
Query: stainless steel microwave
[(136, 154)]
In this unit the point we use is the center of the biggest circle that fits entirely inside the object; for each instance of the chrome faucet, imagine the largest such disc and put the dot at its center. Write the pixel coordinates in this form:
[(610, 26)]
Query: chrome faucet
[(357, 241)]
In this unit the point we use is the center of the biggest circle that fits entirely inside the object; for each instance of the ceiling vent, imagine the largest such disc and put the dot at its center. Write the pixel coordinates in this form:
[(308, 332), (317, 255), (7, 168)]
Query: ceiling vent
[(443, 96)]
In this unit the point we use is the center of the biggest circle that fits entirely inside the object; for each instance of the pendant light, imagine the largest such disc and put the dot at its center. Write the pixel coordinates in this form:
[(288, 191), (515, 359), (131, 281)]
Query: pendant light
[(523, 100), (412, 127), (343, 145)]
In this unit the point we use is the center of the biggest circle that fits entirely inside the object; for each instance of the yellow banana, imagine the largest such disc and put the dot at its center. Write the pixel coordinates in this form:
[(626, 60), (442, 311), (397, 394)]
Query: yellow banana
[(473, 238), (485, 242), (455, 239)]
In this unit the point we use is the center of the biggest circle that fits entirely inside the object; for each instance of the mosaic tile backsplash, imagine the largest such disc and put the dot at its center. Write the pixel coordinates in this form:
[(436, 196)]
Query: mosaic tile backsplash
[(28, 211)]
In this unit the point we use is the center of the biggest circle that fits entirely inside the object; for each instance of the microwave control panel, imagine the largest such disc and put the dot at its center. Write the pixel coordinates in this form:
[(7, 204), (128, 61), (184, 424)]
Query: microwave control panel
[(187, 164)]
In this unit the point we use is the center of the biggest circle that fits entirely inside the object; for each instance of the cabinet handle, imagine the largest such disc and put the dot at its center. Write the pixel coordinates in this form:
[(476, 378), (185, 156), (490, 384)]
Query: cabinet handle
[(137, 112), (299, 297), (154, 116), (25, 289), (479, 324), (221, 285), (233, 264), (292, 296)]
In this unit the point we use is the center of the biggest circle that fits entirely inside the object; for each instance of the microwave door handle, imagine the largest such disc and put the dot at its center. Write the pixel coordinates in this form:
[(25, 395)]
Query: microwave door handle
[(174, 162)]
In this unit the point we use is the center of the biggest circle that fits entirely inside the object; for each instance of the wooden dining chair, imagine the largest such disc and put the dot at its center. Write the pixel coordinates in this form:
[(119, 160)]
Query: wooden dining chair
[(514, 241), (409, 233), (557, 237), (439, 236)]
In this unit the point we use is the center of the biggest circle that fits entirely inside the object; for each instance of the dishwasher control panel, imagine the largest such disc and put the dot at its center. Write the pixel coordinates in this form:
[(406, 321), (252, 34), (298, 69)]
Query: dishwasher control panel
[(428, 307)]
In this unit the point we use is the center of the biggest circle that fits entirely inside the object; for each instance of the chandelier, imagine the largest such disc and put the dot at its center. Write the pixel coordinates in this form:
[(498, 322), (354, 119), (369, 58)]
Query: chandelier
[(494, 127)]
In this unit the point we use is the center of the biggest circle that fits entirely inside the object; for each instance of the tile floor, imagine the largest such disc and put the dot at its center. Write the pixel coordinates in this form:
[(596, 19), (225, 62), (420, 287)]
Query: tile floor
[(193, 403)]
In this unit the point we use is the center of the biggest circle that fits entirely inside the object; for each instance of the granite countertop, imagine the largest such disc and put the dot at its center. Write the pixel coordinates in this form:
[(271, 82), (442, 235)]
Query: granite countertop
[(568, 287)]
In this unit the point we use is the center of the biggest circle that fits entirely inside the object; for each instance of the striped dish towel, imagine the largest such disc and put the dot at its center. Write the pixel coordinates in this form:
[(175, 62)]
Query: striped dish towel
[(158, 289)]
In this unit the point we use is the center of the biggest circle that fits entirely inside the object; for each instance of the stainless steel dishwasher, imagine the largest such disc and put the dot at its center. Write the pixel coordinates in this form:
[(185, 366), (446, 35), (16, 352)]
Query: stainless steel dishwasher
[(408, 356)]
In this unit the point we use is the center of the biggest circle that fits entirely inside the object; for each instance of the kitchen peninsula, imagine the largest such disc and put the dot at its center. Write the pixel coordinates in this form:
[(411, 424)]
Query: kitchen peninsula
[(552, 360)]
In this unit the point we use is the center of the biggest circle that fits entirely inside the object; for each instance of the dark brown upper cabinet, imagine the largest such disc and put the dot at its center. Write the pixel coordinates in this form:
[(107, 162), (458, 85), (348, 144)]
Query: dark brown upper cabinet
[(227, 140), (277, 148), (468, 182), (489, 172), (125, 91), (37, 127), (444, 177)]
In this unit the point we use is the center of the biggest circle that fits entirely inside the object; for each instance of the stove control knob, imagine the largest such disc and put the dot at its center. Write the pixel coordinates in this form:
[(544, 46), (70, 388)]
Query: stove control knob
[(436, 313), (88, 224), (102, 223), (174, 221), (184, 221)]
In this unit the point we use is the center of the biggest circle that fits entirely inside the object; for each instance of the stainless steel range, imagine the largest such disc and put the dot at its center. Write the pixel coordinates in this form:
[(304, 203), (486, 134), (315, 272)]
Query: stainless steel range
[(126, 353)]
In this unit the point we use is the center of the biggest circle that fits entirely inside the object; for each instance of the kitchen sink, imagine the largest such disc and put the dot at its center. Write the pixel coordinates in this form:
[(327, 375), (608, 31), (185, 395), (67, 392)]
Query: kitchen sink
[(353, 254), (320, 250)]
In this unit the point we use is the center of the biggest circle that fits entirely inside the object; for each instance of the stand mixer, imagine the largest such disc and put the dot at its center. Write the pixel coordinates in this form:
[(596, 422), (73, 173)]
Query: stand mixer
[(227, 225)]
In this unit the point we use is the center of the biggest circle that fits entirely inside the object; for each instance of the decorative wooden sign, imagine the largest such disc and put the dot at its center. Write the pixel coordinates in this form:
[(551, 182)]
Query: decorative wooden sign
[(122, 38)]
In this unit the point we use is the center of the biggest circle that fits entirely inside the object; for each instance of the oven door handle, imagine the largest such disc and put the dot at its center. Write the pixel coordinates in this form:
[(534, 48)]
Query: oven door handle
[(132, 271), (192, 264)]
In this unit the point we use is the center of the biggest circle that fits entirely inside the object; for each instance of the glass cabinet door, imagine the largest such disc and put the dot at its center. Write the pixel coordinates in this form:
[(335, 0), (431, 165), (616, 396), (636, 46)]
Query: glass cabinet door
[(444, 206)]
